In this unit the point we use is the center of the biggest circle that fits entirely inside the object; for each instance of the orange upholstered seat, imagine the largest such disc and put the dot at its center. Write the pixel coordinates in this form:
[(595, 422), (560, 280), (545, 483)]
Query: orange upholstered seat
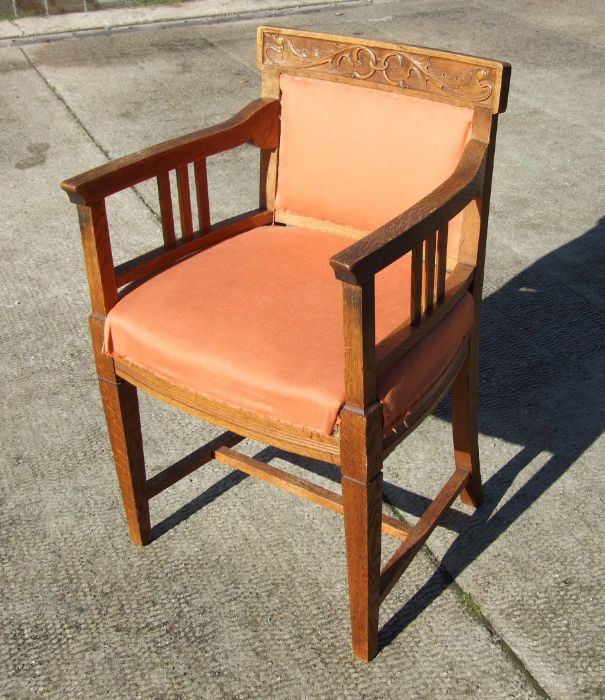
[(256, 323)]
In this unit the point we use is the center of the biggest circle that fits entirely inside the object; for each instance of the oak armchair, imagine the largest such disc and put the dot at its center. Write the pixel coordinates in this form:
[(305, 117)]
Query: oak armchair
[(376, 164)]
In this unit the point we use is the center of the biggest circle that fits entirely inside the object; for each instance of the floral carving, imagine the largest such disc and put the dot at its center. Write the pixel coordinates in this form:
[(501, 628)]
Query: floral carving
[(392, 67)]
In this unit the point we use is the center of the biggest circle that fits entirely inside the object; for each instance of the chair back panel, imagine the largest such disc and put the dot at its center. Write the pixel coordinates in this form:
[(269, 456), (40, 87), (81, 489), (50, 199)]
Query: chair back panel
[(358, 157)]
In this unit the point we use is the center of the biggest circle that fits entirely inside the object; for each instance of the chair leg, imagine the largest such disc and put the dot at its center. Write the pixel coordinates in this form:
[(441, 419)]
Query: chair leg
[(362, 521), (121, 406), (465, 428)]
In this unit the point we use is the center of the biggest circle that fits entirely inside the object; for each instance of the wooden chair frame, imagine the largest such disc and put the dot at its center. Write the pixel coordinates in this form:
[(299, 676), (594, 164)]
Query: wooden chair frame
[(360, 445)]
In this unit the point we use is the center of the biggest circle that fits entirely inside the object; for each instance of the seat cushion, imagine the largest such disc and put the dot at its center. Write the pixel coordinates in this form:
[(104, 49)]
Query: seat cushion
[(256, 323), (357, 156)]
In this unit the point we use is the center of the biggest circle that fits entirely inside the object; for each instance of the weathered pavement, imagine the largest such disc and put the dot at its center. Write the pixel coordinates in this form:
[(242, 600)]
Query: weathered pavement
[(243, 593)]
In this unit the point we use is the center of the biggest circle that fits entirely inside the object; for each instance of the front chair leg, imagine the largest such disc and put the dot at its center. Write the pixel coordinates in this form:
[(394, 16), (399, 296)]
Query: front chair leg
[(362, 520), (465, 428), (121, 406)]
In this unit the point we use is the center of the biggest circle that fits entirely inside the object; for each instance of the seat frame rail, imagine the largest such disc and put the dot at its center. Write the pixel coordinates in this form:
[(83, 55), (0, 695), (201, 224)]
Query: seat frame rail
[(412, 537)]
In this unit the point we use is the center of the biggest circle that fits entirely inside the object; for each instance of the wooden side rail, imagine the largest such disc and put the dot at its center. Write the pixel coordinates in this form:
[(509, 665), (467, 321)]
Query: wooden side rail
[(301, 487), (418, 535), (179, 470), (257, 123), (362, 260)]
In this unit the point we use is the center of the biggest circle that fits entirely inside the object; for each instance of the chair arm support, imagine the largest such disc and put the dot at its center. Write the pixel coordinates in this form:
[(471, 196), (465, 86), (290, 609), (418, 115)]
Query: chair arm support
[(258, 122), (399, 236), (406, 336)]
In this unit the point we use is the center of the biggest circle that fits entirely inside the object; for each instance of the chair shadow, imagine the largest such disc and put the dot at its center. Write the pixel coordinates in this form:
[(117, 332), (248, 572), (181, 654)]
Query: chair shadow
[(542, 354), (196, 504), (542, 345)]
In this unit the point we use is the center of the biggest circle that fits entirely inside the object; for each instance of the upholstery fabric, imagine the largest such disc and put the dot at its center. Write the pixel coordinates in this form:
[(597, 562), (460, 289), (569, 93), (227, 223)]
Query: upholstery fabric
[(358, 156), (256, 323)]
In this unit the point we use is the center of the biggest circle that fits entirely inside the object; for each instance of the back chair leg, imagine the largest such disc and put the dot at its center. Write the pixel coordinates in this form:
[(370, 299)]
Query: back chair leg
[(465, 428), (121, 405), (362, 521)]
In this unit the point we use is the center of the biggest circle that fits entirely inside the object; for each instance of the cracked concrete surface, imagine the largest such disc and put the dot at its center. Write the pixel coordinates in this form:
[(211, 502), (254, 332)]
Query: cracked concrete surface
[(243, 592)]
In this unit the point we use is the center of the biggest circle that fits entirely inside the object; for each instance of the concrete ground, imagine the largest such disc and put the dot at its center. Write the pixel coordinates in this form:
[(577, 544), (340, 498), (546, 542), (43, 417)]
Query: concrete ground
[(243, 592)]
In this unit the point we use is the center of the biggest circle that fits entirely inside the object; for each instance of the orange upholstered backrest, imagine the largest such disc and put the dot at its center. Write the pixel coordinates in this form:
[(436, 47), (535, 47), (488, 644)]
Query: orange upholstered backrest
[(357, 156)]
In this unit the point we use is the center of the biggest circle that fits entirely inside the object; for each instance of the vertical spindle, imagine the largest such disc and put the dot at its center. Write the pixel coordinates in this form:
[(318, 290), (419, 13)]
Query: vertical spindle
[(201, 189), (165, 198), (416, 291), (441, 262), (182, 181), (429, 272)]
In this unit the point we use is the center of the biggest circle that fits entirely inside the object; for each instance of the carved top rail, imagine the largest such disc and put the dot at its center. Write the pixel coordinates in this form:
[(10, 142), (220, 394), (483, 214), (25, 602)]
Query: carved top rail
[(447, 77)]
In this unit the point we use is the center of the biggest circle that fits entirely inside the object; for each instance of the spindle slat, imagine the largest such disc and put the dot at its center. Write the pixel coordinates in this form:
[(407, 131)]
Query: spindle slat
[(429, 273), (182, 181), (416, 291), (201, 189), (441, 263), (166, 214)]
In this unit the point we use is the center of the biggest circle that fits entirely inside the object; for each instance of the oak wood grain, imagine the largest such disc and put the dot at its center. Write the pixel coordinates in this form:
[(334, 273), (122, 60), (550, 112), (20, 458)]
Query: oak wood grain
[(166, 212), (416, 285), (429, 272), (465, 427), (300, 441), (291, 219), (121, 408), (258, 123), (441, 261), (362, 514), (361, 466), (184, 191), (458, 79), (98, 257), (392, 527), (201, 190), (359, 330)]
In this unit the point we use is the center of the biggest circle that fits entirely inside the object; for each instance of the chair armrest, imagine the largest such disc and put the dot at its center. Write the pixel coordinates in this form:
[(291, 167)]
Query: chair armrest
[(258, 122), (377, 250)]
